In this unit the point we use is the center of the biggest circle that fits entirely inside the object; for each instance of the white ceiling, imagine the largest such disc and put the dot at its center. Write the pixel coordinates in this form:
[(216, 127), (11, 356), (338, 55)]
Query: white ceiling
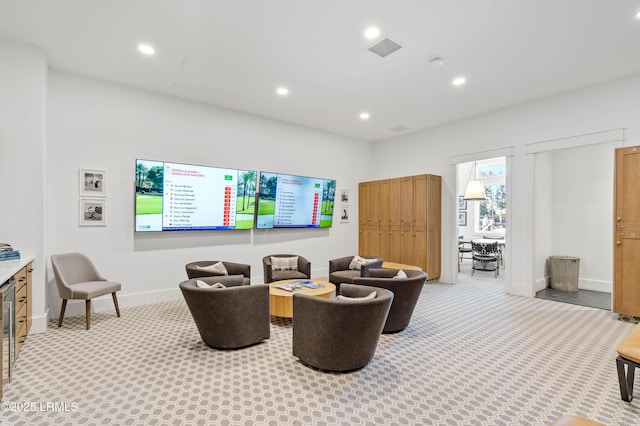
[(234, 53)]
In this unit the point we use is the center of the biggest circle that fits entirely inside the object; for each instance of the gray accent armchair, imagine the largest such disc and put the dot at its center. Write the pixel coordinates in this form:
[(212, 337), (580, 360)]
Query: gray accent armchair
[(339, 271), (232, 317), (339, 335), (77, 278), (406, 293), (232, 267), (303, 272)]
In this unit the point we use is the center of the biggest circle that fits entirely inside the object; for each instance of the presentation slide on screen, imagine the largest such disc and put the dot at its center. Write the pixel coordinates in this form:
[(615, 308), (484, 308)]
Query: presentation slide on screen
[(173, 197), (198, 197), (298, 201), (289, 201)]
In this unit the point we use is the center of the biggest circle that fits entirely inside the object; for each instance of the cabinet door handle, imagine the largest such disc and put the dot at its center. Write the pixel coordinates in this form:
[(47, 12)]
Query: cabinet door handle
[(22, 299), (618, 242)]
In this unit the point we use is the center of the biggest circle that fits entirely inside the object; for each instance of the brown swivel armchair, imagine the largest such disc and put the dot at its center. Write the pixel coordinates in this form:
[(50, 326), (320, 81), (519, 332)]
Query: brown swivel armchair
[(231, 317), (406, 293), (194, 269), (303, 271), (339, 335), (78, 278), (339, 271)]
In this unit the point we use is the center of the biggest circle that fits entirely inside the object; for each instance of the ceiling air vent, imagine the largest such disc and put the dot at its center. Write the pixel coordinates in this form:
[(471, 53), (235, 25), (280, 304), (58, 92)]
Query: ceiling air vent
[(385, 47)]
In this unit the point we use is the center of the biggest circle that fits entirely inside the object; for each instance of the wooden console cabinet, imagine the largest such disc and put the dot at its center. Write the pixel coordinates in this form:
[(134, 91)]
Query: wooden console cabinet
[(23, 306), (18, 272), (400, 220)]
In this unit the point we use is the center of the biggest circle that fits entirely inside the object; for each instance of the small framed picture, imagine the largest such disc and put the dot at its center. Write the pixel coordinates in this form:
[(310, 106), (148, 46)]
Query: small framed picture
[(93, 183), (462, 203), (344, 196), (92, 212), (344, 214), (462, 218)]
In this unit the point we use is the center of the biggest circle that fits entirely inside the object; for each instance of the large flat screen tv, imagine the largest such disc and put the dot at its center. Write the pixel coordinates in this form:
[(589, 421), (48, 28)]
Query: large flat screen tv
[(288, 201), (186, 197)]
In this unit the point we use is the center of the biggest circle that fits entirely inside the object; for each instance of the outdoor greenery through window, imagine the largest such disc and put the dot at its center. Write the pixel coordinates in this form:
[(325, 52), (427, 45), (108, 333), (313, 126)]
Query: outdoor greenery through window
[(492, 213)]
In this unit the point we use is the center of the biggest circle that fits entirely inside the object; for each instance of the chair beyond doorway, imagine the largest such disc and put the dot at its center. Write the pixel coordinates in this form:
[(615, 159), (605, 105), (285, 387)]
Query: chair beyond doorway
[(464, 247), (487, 254)]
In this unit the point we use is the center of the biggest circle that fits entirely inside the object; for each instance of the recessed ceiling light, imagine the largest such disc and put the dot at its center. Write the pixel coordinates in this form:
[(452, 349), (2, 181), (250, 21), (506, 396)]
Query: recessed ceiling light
[(364, 116), (282, 91), (146, 49), (372, 32), (459, 81), (638, 15)]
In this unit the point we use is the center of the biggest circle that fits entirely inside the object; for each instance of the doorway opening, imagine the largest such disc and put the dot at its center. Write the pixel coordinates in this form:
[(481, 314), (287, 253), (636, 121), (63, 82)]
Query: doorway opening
[(482, 221), (573, 209)]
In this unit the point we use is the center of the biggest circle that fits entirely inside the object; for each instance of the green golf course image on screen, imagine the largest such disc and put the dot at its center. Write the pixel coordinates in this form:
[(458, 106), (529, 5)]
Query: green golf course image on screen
[(187, 197), (289, 201)]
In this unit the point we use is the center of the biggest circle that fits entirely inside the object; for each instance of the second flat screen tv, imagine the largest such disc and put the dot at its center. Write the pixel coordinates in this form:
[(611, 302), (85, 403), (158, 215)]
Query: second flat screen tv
[(289, 201), (186, 197)]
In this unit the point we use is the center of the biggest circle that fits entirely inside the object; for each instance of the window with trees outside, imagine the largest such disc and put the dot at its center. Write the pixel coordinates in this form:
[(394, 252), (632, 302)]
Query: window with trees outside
[(492, 212)]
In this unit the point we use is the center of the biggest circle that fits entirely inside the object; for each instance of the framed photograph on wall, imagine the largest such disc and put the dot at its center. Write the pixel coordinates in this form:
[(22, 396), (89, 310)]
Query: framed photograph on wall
[(462, 203), (344, 214), (92, 212), (462, 218), (93, 183), (344, 196)]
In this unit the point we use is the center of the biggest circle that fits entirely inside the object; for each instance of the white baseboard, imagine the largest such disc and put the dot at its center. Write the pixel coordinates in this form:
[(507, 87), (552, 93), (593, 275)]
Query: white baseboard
[(520, 289), (39, 323), (446, 278), (583, 284), (595, 285), (105, 303), (540, 284)]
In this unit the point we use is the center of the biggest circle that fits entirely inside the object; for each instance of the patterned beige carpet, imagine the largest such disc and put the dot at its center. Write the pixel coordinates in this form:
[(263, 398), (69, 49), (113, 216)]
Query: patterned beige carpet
[(471, 356)]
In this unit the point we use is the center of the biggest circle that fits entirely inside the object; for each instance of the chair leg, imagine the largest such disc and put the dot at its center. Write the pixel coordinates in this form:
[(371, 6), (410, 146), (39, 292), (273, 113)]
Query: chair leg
[(64, 306), (88, 306), (115, 302), (626, 380)]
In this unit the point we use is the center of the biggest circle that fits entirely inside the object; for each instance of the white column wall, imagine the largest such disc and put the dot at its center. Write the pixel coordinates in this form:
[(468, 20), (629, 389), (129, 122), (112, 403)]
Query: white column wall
[(23, 83), (543, 218)]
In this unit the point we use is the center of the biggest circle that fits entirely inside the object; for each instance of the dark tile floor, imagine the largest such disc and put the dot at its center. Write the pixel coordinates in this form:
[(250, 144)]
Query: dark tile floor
[(593, 299)]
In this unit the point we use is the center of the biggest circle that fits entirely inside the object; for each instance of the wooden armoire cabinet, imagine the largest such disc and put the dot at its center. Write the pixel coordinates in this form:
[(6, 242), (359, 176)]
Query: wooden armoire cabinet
[(626, 264), (400, 220)]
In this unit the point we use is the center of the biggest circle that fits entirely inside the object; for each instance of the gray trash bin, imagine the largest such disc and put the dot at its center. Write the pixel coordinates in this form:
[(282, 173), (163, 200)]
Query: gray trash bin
[(564, 272)]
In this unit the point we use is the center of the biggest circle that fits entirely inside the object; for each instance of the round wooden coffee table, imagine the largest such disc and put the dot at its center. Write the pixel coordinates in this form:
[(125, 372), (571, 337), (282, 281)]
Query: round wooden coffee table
[(281, 301)]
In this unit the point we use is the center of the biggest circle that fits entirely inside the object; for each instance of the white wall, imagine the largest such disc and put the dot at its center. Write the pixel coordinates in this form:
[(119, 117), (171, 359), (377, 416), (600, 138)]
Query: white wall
[(582, 212), (608, 106), (543, 215), (467, 231), (23, 82), (97, 125)]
